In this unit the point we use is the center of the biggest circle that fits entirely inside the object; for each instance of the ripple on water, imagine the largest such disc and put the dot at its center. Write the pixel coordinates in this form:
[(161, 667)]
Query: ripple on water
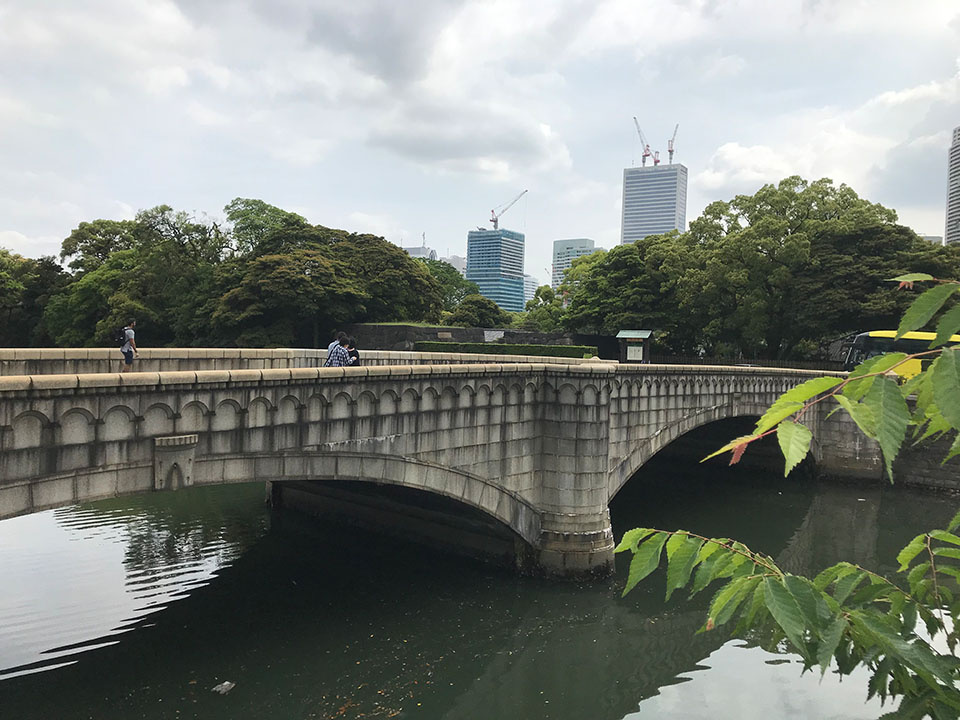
[(77, 578)]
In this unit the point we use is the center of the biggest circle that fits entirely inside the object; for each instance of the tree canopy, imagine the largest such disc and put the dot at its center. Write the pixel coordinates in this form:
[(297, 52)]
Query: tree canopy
[(264, 277), (769, 275)]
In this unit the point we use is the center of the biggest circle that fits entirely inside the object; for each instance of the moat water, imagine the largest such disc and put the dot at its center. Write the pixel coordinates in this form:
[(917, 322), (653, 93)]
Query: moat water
[(139, 607)]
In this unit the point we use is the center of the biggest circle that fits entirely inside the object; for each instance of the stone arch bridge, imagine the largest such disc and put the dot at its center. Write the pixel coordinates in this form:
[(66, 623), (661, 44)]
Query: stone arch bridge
[(541, 447)]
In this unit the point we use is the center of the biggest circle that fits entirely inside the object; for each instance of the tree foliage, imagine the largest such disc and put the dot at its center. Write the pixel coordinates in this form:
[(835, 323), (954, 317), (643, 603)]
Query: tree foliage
[(264, 277), (775, 274), (900, 629), (454, 287), (478, 311)]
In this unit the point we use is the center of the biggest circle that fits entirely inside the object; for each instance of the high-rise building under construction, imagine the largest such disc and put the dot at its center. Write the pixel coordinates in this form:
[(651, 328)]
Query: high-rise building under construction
[(654, 201), (952, 231)]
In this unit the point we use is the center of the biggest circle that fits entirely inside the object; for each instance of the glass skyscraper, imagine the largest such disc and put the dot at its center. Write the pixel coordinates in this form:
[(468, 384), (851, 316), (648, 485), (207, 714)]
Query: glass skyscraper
[(495, 264), (952, 231), (564, 253), (654, 201)]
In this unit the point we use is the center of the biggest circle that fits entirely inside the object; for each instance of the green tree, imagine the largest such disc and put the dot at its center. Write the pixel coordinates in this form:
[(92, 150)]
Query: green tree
[(544, 311), (203, 242), (397, 287), (771, 274), (90, 244), (847, 616), (21, 321), (287, 299), (454, 287), (478, 311), (253, 221), (634, 286)]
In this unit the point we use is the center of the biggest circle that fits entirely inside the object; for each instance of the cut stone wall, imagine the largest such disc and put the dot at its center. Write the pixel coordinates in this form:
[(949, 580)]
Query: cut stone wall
[(71, 361)]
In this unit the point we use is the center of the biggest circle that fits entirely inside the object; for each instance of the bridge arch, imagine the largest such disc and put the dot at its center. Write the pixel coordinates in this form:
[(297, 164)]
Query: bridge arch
[(505, 506), (648, 447)]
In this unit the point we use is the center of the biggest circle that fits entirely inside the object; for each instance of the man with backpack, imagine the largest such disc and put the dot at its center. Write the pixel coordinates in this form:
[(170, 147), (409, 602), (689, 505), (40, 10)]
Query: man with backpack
[(128, 345)]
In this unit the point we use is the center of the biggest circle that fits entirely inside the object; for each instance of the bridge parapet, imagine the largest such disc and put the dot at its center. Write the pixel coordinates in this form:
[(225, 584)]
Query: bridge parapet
[(71, 361)]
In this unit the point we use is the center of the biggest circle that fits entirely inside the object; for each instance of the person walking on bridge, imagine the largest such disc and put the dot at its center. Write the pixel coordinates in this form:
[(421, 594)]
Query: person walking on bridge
[(338, 338), (129, 347), (338, 356)]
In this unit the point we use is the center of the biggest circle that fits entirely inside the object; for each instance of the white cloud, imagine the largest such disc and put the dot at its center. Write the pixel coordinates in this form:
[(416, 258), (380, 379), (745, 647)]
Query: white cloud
[(381, 225), (29, 246), (722, 66), (408, 112)]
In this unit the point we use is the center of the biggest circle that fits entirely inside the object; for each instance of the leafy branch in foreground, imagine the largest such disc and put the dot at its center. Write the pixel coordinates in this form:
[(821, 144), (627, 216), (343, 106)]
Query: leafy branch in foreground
[(847, 614), (871, 395)]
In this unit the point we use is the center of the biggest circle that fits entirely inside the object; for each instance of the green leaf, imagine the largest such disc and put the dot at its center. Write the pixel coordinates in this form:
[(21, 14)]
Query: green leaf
[(954, 449), (944, 536), (632, 538), (917, 574), (891, 415), (911, 550), (846, 585), (948, 326), (946, 385), (729, 598), (954, 523), (912, 277), (952, 553), (775, 413), (784, 610), (858, 385), (828, 644), (794, 398), (645, 560), (861, 415), (925, 307), (708, 569), (808, 599), (682, 557), (794, 440)]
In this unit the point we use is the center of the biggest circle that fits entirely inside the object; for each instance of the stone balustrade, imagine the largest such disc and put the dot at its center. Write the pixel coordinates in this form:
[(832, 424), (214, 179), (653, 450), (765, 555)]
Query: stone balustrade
[(60, 361)]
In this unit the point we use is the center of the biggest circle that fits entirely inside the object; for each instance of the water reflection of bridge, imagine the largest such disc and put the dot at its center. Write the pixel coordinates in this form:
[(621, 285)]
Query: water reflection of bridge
[(467, 642)]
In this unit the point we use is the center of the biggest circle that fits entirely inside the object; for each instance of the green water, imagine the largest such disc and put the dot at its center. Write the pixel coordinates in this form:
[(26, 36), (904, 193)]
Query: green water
[(136, 608)]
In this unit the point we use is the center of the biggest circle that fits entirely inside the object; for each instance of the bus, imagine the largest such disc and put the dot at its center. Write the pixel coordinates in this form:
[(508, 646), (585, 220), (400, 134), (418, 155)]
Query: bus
[(877, 342)]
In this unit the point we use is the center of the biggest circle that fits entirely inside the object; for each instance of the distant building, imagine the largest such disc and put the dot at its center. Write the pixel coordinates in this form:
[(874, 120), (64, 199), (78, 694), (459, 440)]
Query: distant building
[(421, 251), (952, 232), (460, 263), (530, 285), (495, 264), (564, 253), (935, 239), (654, 201)]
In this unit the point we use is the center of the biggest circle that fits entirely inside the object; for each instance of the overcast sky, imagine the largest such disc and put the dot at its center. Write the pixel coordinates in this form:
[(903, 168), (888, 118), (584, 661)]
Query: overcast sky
[(418, 116)]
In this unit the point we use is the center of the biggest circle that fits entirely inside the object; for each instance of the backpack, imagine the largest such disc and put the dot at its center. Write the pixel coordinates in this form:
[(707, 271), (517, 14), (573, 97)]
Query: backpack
[(120, 337)]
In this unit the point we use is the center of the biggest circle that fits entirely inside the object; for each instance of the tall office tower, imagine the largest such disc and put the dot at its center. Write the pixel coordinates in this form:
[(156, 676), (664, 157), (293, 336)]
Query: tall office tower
[(495, 264), (654, 201), (564, 253), (952, 232), (530, 285)]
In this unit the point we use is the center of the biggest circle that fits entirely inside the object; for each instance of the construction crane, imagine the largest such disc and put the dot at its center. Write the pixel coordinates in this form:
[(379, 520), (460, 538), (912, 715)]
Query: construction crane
[(656, 158), (671, 141), (495, 216), (643, 143)]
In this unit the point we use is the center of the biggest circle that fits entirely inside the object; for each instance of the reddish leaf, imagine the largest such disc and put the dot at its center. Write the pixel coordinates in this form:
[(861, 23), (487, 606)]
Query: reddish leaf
[(737, 453)]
